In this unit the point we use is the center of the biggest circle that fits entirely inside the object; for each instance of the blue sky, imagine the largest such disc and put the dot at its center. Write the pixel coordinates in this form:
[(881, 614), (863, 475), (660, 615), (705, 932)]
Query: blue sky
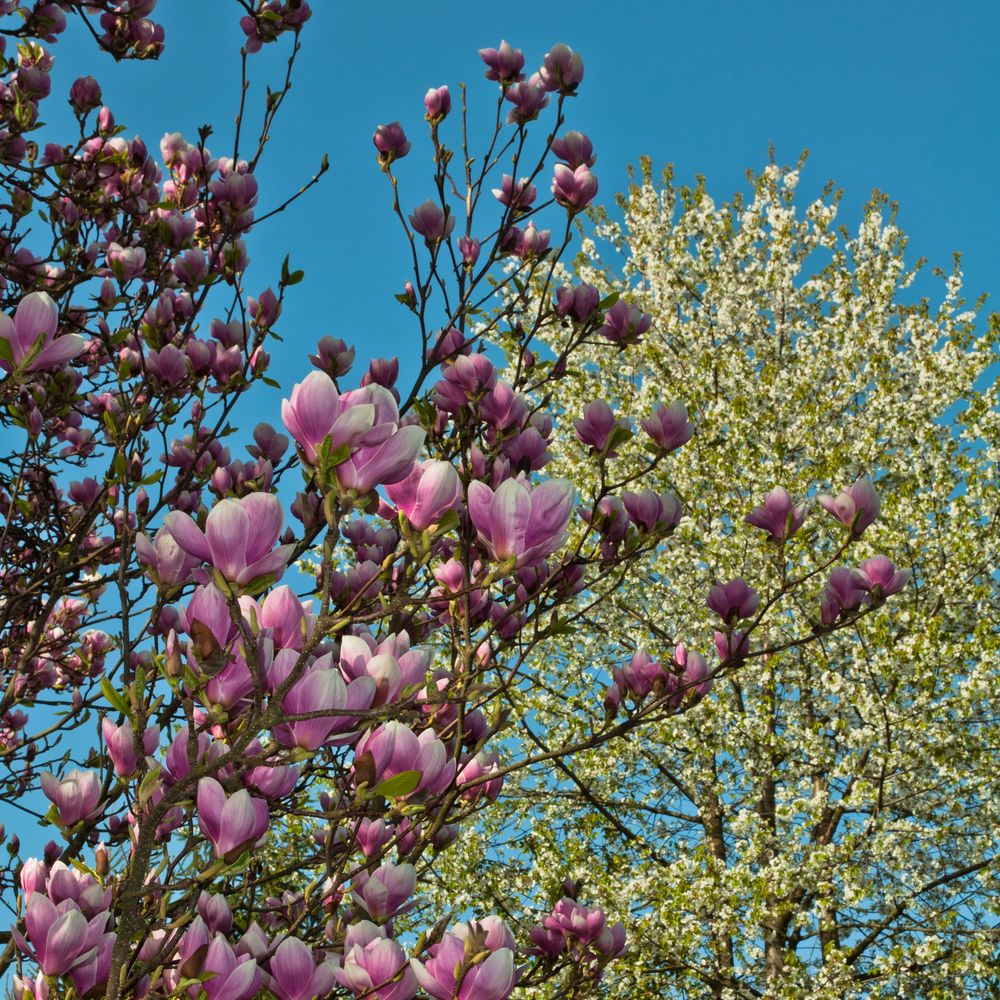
[(904, 97)]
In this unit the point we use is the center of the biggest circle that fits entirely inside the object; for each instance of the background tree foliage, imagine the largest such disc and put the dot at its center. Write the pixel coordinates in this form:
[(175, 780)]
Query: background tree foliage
[(824, 823)]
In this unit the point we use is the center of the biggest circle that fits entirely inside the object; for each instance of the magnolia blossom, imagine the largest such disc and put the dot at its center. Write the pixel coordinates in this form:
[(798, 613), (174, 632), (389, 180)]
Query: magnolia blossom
[(503, 63), (475, 770), (384, 463), (857, 507), (651, 512), (320, 689), (597, 425), (575, 148), (61, 936), (578, 302), (316, 411), (391, 142), (778, 515), (574, 189), (843, 593), (437, 101), (383, 893), (427, 493), (31, 337), (375, 965), (669, 426), (120, 741), (296, 976), (393, 748), (234, 978), (570, 922), (76, 797), (432, 222), (232, 823), (521, 523), (562, 69), (625, 324), (733, 600), (880, 577), (238, 538), (452, 972)]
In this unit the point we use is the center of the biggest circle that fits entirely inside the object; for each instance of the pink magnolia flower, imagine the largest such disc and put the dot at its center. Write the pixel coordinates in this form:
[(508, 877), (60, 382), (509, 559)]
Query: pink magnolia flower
[(528, 98), (121, 745), (31, 337), (880, 577), (695, 678), (320, 689), (382, 464), (625, 324), (383, 893), (521, 523), (451, 972), (76, 797), (575, 149), (234, 978), (669, 426), (316, 411), (392, 664), (61, 936), (651, 511), (375, 965), (393, 748), (732, 646), (571, 922), (857, 507), (469, 249), (215, 911), (843, 593), (597, 426), (482, 764), (391, 142), (503, 63), (562, 69), (232, 823), (238, 538), (578, 302), (168, 563), (573, 189), (295, 974), (427, 493), (778, 515), (432, 222), (734, 600), (93, 972), (518, 195), (126, 263), (437, 101)]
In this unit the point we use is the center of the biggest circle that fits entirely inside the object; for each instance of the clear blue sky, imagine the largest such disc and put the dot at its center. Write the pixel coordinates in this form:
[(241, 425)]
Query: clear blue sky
[(901, 96)]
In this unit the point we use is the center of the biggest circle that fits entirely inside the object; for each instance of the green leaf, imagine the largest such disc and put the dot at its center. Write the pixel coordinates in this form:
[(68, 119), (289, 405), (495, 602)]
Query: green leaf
[(148, 785), (113, 696), (399, 784)]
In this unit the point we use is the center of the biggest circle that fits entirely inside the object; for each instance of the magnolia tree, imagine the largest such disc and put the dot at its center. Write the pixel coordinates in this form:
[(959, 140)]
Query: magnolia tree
[(260, 726), (824, 824)]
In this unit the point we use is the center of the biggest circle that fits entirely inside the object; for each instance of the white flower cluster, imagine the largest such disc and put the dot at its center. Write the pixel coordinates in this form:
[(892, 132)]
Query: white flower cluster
[(824, 818)]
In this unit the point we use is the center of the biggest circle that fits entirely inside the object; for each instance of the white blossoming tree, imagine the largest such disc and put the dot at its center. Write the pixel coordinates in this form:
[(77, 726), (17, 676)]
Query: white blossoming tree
[(823, 823)]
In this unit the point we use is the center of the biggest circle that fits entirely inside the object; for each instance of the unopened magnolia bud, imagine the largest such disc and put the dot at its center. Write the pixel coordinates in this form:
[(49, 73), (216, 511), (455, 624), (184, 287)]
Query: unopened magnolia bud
[(174, 667), (102, 863)]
